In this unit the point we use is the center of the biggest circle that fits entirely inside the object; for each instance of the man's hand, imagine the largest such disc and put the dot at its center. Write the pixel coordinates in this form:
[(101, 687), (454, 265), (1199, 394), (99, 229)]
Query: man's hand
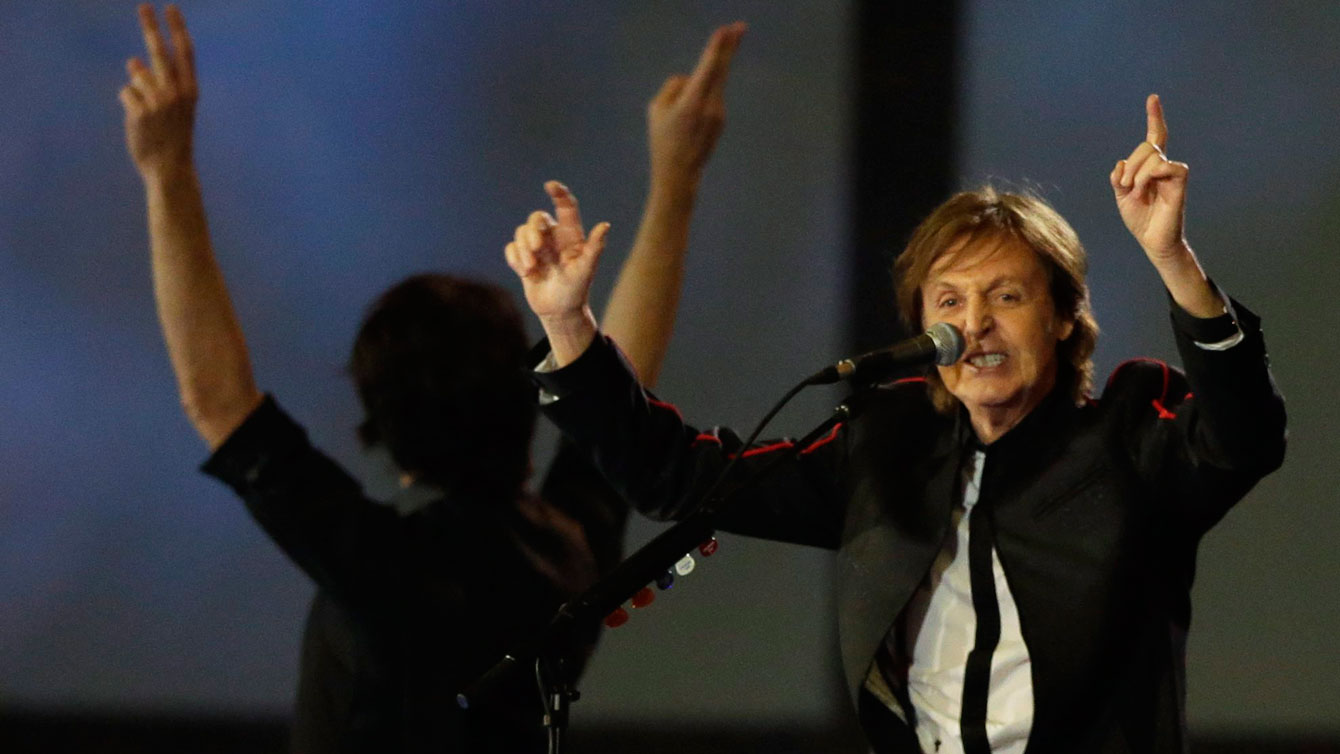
[(685, 118), (1151, 191), (1151, 195), (683, 122), (204, 340), (160, 98), (556, 261)]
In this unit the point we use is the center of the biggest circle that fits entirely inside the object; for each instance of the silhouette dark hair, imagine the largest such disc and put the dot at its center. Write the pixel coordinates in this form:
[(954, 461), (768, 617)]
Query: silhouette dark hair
[(439, 363)]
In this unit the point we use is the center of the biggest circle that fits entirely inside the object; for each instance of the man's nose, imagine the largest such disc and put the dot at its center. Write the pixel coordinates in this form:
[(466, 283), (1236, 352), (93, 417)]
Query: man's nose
[(977, 320)]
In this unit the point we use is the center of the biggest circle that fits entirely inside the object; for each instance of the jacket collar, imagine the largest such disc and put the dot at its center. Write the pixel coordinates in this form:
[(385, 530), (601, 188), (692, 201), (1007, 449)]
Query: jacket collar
[(1034, 430)]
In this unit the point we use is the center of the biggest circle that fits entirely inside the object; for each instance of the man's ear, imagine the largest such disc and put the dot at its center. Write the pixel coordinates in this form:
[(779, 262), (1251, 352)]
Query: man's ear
[(1066, 330)]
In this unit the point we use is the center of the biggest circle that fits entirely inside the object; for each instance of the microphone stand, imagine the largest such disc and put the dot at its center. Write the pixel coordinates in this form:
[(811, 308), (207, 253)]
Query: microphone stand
[(556, 693), (546, 650)]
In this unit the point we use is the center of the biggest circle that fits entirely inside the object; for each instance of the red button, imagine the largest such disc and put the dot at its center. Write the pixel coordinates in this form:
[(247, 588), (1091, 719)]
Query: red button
[(708, 547), (616, 618), (644, 597)]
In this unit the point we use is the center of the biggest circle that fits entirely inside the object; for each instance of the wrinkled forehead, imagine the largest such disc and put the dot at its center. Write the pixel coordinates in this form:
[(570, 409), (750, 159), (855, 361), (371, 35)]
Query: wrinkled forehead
[(995, 251)]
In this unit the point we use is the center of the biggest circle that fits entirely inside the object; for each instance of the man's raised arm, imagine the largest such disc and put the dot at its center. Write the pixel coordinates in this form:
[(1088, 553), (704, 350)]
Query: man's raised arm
[(1151, 195), (684, 120), (204, 340)]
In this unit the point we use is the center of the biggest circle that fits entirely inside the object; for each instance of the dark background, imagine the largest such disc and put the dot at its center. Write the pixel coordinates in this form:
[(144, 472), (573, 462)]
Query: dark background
[(343, 145)]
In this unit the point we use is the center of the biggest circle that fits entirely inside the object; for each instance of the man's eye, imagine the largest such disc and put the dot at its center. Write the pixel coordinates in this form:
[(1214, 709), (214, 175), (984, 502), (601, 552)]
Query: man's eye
[(1009, 297), (948, 302)]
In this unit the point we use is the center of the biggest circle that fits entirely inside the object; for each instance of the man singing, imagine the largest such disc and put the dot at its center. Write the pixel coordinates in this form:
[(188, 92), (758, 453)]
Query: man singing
[(1015, 557)]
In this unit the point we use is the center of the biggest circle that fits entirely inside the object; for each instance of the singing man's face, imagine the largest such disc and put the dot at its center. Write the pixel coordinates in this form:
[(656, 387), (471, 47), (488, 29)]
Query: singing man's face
[(996, 292)]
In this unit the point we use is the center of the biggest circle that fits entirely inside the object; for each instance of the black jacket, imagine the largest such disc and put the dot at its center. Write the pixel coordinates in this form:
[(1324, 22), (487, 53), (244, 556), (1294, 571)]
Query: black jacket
[(1097, 512), (411, 608)]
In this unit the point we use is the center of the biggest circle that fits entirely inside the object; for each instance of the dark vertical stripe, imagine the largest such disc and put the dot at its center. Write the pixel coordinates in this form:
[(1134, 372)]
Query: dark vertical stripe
[(977, 675), (904, 89), (903, 150)]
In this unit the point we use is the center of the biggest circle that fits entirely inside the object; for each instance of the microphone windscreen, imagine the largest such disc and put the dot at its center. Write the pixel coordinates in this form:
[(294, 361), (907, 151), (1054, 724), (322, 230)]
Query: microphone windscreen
[(948, 341)]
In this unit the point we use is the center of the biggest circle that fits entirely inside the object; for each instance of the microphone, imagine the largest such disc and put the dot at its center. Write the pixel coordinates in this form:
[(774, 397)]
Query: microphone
[(942, 344)]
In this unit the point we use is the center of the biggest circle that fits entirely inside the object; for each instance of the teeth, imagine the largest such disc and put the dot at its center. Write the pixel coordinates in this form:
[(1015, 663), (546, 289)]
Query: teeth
[(987, 360)]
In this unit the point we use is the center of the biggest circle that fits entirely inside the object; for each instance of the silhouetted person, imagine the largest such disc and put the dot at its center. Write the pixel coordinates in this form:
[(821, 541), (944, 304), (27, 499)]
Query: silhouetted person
[(417, 599)]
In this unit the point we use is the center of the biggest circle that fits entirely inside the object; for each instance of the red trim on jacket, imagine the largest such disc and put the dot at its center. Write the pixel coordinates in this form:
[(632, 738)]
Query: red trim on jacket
[(1164, 413), (666, 406), (766, 449), (1157, 403), (822, 441), (705, 437)]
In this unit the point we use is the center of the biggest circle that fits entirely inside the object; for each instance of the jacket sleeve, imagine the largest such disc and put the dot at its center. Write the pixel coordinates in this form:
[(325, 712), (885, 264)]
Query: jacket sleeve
[(1209, 434), (576, 487), (662, 465), (307, 504)]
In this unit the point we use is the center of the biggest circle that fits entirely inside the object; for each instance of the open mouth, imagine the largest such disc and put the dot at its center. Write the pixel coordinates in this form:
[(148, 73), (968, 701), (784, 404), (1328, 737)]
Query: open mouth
[(986, 360)]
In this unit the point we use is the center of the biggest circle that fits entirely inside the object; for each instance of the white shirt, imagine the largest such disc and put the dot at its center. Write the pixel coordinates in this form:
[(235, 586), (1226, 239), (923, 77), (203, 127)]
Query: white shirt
[(941, 628)]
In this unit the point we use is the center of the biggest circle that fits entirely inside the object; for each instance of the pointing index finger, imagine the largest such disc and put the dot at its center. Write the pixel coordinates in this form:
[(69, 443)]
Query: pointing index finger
[(712, 64), (569, 229), (183, 52), (153, 42), (734, 34), (1157, 128)]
